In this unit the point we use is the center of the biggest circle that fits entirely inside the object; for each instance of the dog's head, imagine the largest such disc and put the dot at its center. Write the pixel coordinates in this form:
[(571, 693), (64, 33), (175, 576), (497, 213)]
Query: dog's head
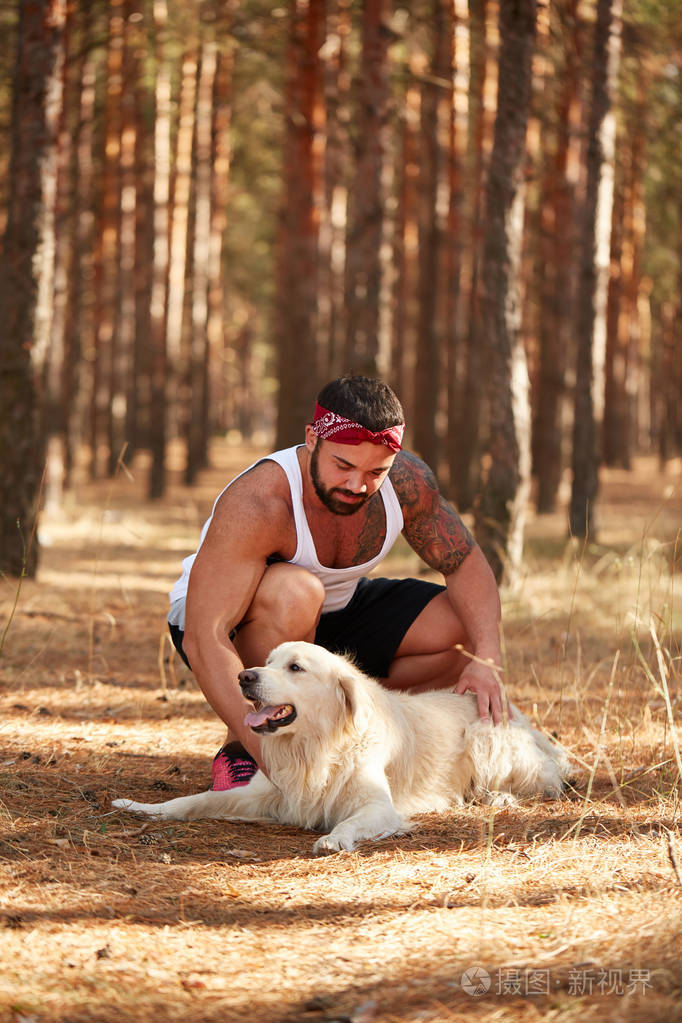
[(303, 687)]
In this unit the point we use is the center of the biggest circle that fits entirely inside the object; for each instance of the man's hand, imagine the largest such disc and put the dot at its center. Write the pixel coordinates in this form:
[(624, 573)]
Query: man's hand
[(480, 680)]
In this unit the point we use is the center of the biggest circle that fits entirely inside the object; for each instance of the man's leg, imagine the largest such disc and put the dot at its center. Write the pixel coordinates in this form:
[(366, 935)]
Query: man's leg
[(286, 606), (426, 658)]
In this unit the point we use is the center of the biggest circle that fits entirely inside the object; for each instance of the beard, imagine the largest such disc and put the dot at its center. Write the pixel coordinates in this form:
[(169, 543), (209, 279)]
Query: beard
[(327, 494)]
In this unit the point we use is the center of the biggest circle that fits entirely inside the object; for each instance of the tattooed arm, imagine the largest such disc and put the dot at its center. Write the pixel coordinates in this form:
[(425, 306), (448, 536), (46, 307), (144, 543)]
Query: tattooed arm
[(432, 526), (435, 531)]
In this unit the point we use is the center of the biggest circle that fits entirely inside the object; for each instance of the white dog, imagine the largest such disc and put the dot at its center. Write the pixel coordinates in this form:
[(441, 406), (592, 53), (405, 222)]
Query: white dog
[(344, 755)]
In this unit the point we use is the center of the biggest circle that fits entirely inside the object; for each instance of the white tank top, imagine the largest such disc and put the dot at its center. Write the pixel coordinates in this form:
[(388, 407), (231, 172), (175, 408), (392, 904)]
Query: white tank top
[(339, 583)]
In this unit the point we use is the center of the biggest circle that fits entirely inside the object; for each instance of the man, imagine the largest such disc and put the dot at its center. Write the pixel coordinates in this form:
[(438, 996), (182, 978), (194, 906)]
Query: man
[(286, 553)]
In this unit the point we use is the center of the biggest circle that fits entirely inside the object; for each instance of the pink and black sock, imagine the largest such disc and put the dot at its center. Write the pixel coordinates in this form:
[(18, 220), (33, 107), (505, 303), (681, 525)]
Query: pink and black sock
[(232, 767)]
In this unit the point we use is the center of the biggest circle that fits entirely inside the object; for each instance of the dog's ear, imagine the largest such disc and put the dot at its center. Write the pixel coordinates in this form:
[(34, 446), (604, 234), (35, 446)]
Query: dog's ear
[(352, 684)]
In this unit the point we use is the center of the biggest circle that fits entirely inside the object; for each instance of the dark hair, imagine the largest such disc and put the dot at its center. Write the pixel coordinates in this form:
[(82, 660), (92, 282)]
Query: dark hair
[(364, 400)]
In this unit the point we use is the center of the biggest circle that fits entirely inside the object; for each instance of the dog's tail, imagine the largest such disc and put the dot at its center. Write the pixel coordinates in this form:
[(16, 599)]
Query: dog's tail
[(551, 749), (511, 759)]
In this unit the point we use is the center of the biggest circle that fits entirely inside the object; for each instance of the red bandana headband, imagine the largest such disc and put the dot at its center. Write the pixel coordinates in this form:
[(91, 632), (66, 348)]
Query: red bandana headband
[(331, 426)]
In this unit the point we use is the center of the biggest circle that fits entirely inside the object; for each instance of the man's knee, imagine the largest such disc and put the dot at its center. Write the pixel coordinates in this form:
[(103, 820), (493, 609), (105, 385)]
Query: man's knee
[(289, 595)]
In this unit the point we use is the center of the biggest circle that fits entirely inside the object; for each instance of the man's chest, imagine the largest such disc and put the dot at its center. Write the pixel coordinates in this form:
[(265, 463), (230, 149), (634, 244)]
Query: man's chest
[(341, 541)]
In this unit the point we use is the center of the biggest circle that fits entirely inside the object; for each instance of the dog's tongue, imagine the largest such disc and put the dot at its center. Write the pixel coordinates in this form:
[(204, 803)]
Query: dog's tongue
[(256, 718)]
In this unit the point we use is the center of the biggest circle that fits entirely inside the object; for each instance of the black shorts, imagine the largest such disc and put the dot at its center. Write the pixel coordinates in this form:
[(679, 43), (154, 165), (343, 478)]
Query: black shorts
[(371, 626)]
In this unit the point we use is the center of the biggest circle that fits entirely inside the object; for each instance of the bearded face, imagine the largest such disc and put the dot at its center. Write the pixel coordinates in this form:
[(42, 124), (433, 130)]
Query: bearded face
[(338, 500)]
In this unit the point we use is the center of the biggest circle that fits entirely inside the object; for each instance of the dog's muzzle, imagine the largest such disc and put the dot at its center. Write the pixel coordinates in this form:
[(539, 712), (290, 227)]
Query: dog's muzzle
[(264, 717)]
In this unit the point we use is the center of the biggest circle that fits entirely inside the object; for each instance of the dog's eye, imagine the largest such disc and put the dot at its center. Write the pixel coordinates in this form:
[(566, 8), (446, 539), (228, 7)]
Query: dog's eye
[(295, 667)]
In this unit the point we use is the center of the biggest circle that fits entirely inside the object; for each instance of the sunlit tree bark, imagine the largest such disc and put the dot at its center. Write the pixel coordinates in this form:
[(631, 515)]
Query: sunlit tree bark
[(500, 513), (594, 268)]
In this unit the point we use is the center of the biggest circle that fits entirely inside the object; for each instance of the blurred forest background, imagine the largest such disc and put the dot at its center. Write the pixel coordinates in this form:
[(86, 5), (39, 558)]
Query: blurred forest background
[(208, 209)]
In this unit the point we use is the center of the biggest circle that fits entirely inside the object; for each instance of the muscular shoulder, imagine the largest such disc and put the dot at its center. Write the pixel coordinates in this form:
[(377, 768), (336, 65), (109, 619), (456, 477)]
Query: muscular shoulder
[(414, 483), (258, 505), (433, 527)]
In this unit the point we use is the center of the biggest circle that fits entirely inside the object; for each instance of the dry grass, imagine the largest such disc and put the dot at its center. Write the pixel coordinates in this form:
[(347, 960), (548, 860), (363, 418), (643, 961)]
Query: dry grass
[(105, 918)]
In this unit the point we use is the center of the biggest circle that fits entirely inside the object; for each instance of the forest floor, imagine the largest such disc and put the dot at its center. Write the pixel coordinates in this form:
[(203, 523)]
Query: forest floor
[(565, 910)]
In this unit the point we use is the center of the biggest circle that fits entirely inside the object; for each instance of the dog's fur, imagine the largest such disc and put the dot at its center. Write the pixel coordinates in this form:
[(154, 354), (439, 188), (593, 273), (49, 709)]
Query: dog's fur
[(347, 756)]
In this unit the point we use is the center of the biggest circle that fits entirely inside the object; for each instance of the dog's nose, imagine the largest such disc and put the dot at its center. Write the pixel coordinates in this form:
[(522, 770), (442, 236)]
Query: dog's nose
[(247, 677)]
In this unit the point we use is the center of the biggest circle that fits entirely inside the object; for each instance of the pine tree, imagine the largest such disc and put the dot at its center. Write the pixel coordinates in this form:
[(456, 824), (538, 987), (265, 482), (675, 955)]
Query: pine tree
[(26, 254)]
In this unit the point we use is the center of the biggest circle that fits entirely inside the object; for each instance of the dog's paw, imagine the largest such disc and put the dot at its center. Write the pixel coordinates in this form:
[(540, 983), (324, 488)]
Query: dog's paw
[(328, 844), (500, 799)]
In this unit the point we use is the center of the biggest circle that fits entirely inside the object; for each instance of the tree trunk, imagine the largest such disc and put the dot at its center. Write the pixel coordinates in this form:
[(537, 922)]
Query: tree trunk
[(180, 247), (613, 442), (124, 381), (200, 351), (139, 390), (222, 114), (500, 514), (122, 430), (158, 403), (556, 257), (30, 217), (58, 362), (430, 367), (107, 414), (403, 356), (298, 357), (333, 226), (80, 327), (363, 246), (624, 355), (466, 431), (460, 73), (594, 267), (666, 395)]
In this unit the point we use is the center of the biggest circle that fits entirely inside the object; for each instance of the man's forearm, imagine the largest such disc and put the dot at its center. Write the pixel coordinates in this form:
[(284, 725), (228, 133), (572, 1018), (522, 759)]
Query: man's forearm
[(474, 595), (216, 667)]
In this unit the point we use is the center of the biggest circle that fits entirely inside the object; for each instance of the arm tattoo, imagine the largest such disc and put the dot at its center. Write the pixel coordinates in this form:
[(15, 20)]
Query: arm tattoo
[(432, 526), (442, 540), (412, 481)]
